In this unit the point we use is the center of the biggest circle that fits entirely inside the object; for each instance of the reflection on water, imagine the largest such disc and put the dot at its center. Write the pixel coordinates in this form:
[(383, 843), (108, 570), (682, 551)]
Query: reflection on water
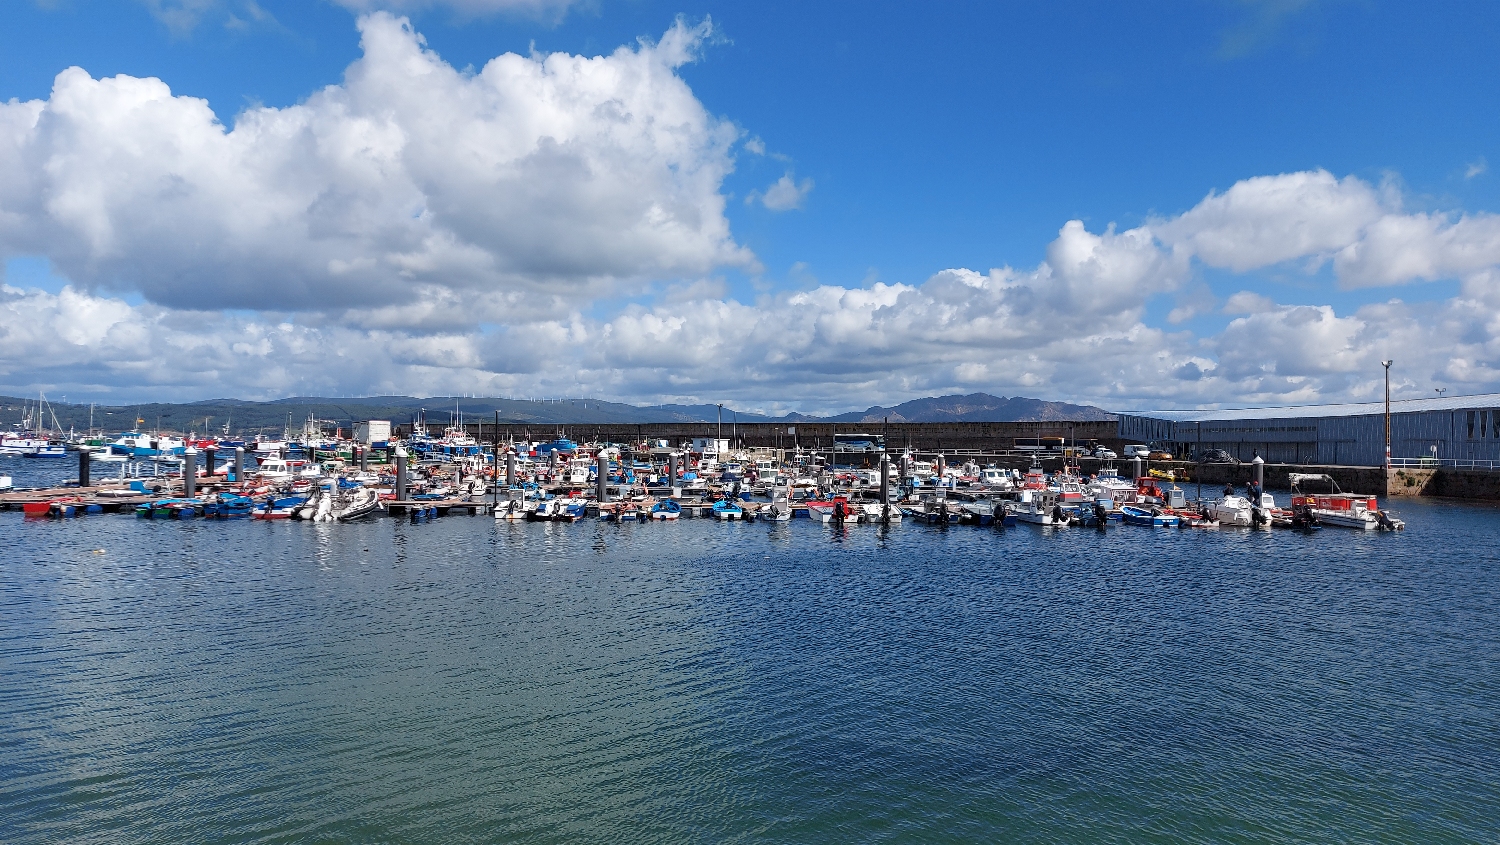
[(463, 680)]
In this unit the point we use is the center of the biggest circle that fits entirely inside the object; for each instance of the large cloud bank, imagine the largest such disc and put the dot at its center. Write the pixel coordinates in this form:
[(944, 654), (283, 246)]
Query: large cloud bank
[(549, 176), (418, 229)]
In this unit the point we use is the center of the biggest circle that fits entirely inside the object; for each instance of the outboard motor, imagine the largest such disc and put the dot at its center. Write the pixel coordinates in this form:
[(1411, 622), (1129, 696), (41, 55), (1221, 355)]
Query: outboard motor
[(1303, 517), (1100, 514), (1057, 515), (1384, 521)]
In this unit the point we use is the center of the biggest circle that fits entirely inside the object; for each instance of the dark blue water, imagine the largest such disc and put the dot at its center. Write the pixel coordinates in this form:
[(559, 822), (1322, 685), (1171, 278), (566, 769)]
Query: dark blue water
[(460, 681)]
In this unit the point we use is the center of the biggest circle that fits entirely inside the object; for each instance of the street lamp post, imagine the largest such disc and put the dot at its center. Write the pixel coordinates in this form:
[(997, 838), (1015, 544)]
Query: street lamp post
[(1387, 365)]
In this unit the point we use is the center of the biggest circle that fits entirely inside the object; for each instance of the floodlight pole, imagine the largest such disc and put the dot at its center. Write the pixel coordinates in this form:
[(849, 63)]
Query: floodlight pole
[(1387, 365)]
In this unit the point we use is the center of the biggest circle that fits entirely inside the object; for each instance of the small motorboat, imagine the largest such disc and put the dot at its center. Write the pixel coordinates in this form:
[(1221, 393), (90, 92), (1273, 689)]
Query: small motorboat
[(1135, 515), (780, 509), (70, 506), (76, 508), (875, 513), (568, 510), (364, 502), (976, 513), (1240, 511), (279, 507), (513, 509), (1037, 507), (829, 510), (666, 509), (230, 506), (728, 509), (309, 509)]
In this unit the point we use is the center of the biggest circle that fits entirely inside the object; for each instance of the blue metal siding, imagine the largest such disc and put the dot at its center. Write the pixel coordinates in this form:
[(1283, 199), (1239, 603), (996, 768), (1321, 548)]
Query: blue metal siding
[(1353, 440)]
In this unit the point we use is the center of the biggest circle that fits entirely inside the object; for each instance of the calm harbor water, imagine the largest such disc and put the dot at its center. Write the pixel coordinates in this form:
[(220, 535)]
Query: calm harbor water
[(459, 681)]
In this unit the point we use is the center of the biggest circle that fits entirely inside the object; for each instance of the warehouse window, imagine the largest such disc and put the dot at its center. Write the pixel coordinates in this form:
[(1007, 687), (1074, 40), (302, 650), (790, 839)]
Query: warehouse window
[(1471, 425), (1495, 416)]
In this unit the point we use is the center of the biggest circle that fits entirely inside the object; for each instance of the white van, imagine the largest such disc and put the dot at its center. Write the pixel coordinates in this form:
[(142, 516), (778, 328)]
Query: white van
[(1137, 451)]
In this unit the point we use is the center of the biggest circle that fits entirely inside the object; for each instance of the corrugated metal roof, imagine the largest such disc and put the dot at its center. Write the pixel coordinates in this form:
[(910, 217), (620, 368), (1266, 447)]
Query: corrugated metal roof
[(1352, 409)]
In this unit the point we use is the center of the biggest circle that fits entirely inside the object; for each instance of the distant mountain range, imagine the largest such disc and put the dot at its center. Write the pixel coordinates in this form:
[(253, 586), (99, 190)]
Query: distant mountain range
[(977, 407), (248, 417)]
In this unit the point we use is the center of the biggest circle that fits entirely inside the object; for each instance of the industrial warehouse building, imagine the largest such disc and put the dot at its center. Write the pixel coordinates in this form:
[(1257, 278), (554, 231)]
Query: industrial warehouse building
[(1457, 428)]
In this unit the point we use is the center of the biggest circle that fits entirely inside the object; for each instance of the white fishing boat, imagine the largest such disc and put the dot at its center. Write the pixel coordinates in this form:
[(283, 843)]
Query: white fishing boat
[(578, 471), (275, 469), (135, 444), (1037, 507), (21, 443), (514, 507), (780, 509), (996, 479), (1107, 484), (1240, 511), (1232, 510), (266, 446), (766, 471)]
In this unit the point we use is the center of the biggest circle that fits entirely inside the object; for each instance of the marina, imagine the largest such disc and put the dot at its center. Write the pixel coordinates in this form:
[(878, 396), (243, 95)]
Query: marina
[(857, 478), (560, 480)]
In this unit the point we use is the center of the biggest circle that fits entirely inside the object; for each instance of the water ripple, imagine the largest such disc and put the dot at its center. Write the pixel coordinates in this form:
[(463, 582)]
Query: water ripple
[(459, 681)]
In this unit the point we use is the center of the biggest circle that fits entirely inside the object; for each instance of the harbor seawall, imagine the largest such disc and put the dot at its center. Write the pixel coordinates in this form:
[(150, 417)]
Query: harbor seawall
[(984, 436), (1449, 483), (1442, 482)]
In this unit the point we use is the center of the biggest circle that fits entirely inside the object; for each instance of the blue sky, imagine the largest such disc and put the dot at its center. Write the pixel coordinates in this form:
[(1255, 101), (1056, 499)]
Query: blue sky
[(927, 137)]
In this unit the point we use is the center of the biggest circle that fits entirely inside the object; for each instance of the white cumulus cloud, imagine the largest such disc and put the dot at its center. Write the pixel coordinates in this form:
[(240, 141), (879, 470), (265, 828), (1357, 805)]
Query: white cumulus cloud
[(553, 173), (784, 194), (1270, 219)]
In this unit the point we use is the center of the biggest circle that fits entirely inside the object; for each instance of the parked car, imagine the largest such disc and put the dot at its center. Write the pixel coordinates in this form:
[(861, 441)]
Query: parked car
[(1158, 455), (1105, 454), (1215, 456), (1134, 451)]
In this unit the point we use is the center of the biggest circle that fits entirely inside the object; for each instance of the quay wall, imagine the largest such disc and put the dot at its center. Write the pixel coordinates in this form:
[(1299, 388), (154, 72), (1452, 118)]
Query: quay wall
[(978, 436), (1450, 483)]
